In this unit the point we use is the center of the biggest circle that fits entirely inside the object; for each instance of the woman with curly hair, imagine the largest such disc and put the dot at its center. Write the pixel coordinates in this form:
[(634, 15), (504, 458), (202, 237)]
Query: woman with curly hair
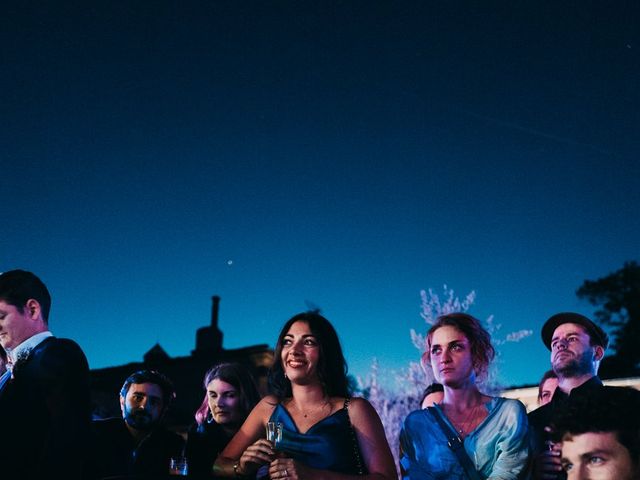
[(468, 435)]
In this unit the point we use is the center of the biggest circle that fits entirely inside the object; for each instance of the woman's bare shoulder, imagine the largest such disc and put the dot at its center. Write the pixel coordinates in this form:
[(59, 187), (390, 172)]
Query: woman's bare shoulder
[(359, 402), (269, 401), (266, 405), (361, 409)]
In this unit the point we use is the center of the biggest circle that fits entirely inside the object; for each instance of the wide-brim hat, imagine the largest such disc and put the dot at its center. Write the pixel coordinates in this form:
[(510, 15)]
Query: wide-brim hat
[(597, 334)]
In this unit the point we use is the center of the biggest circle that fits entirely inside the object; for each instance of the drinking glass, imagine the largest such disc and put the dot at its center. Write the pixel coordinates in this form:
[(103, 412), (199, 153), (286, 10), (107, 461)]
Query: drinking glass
[(274, 433), (178, 466)]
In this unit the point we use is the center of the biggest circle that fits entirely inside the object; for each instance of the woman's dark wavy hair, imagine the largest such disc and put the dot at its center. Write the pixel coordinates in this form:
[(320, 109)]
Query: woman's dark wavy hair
[(240, 378), (482, 352), (332, 367)]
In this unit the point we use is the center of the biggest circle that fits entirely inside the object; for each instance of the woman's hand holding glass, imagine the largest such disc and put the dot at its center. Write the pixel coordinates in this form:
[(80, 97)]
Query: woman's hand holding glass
[(259, 453), (262, 452)]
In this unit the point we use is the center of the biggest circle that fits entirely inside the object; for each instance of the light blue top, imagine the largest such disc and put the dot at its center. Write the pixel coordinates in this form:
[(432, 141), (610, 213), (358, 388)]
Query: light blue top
[(498, 447)]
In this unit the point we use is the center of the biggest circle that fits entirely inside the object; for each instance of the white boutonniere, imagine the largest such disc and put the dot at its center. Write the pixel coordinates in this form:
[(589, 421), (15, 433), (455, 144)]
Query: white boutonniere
[(20, 359)]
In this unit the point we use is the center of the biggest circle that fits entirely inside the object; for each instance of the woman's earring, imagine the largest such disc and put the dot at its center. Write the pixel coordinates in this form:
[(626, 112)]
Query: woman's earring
[(209, 418), (285, 375)]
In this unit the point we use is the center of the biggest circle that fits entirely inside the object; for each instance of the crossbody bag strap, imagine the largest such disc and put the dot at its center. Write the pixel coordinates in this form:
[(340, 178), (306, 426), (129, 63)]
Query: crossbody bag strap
[(455, 444)]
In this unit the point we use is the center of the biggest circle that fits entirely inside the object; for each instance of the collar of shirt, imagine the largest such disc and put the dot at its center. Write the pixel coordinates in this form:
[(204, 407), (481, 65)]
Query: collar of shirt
[(23, 350), (588, 386)]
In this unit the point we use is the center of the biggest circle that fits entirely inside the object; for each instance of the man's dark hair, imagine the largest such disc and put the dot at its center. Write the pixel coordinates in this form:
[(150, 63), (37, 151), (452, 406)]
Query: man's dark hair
[(433, 388), (18, 286), (332, 367), (609, 409), (151, 376)]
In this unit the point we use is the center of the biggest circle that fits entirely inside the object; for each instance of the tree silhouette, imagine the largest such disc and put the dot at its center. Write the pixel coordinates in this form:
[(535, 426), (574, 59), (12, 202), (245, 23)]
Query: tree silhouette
[(618, 296)]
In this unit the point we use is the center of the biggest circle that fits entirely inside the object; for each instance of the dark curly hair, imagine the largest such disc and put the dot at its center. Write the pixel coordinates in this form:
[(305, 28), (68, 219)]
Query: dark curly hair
[(482, 352), (155, 377), (332, 367), (609, 409)]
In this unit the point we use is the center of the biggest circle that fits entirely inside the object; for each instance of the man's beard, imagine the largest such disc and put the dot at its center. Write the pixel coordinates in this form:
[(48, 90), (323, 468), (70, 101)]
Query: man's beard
[(575, 366), (138, 419)]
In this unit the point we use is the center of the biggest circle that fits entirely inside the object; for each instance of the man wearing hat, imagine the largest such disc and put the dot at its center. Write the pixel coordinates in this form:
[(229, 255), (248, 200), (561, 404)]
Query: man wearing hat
[(577, 346)]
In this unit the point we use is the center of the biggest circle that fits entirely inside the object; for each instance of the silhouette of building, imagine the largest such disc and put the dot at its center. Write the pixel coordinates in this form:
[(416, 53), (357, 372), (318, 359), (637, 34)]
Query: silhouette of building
[(186, 373)]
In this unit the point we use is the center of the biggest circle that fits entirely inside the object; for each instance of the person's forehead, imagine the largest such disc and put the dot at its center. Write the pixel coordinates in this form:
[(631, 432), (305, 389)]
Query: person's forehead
[(579, 444), (569, 328), (219, 385), (434, 395), (148, 389), (299, 328), (446, 334)]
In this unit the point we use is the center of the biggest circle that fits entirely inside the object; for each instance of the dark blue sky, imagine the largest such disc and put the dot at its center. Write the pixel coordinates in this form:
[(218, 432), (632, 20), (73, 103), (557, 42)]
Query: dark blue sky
[(345, 153)]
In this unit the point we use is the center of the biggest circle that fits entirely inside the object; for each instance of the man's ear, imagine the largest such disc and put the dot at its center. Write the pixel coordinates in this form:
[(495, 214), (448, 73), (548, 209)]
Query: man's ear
[(32, 309), (598, 353), (122, 404)]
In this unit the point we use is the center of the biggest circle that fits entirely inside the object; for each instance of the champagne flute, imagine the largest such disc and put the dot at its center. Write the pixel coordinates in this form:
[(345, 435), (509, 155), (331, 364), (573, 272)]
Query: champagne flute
[(178, 466), (274, 433)]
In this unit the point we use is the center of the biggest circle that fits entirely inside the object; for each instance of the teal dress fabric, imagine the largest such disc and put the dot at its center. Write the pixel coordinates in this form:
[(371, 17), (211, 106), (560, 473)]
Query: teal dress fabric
[(498, 447), (327, 445)]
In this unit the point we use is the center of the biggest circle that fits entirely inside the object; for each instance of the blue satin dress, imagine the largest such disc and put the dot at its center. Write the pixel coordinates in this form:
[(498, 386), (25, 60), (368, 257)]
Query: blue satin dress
[(328, 445)]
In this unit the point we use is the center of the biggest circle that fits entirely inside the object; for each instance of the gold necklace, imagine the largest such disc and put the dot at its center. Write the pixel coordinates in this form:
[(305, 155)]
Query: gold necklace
[(462, 428), (313, 411)]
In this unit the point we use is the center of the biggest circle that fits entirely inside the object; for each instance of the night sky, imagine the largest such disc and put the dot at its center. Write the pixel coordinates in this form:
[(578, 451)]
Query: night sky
[(341, 154)]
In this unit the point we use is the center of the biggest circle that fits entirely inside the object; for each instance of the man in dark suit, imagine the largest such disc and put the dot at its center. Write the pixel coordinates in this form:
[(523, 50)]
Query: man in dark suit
[(44, 394)]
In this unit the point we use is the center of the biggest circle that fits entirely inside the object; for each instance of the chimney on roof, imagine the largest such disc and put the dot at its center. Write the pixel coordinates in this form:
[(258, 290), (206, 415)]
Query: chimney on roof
[(209, 339), (214, 311)]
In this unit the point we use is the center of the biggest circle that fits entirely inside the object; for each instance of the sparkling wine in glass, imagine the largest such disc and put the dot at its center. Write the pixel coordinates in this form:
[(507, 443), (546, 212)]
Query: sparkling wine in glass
[(274, 433)]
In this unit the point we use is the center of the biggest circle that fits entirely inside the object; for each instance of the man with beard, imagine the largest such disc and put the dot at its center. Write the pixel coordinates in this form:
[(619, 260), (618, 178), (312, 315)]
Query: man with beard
[(136, 445), (577, 346)]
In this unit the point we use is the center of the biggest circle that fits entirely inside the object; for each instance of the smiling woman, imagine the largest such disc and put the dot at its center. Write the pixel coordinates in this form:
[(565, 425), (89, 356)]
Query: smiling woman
[(325, 433), (492, 430)]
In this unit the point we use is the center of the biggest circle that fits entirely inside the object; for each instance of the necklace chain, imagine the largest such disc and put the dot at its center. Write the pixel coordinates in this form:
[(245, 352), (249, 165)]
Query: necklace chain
[(313, 410), (463, 427)]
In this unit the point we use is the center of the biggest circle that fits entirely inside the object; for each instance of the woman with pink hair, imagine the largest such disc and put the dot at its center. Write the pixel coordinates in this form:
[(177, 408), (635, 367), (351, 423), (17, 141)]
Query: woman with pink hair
[(231, 393)]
